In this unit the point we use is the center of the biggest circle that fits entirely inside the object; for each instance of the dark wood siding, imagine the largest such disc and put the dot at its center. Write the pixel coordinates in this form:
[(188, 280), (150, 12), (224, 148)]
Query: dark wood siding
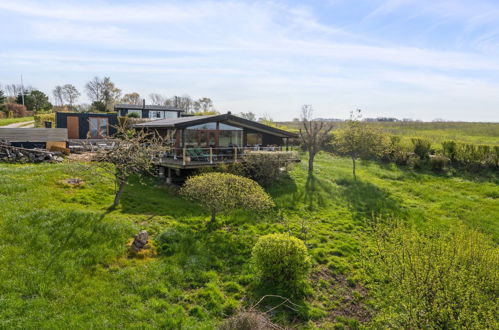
[(83, 124)]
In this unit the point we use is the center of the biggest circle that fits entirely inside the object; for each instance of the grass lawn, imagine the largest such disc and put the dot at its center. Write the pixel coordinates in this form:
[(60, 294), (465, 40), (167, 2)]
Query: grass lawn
[(64, 260), (8, 121)]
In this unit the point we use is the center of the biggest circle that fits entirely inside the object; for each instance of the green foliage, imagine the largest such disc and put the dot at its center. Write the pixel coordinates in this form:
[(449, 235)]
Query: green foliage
[(422, 148), (219, 192), (281, 260), (35, 100), (40, 119), (98, 106), (471, 155), (266, 167), (133, 115), (435, 279), (439, 163)]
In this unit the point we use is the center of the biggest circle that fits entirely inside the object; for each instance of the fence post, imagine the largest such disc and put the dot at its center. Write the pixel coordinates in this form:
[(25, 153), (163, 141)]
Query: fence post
[(183, 156), (235, 155), (211, 155)]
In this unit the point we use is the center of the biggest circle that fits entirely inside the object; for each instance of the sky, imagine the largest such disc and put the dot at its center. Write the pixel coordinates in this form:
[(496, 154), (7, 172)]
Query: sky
[(420, 59)]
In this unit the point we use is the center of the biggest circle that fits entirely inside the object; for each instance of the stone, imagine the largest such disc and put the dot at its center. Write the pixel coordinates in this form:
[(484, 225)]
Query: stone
[(140, 240)]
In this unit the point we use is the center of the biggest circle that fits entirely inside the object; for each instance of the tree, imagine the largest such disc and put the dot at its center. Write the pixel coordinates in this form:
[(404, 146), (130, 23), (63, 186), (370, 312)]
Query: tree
[(359, 140), (248, 115), (98, 106), (110, 93), (2, 100), (70, 94), (132, 98), (94, 89), (182, 102), (58, 95), (205, 104), (314, 135), (131, 154), (35, 100), (219, 192)]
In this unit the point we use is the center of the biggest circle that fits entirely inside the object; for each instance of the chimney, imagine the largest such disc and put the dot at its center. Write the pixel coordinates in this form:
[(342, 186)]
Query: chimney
[(229, 113), (143, 103)]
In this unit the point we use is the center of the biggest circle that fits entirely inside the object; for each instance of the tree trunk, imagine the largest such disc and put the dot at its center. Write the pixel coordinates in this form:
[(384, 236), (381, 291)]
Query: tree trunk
[(311, 157), (117, 197), (213, 216), (353, 169)]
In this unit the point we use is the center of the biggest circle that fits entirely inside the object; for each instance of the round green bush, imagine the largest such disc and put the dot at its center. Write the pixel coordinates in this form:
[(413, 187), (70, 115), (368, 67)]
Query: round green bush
[(281, 259)]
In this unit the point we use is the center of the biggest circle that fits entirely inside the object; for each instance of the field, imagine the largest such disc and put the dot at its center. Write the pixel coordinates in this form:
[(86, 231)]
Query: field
[(65, 261), (8, 121), (437, 132)]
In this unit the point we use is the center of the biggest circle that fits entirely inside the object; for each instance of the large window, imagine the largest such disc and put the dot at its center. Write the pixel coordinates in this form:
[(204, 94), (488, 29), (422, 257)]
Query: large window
[(138, 112), (156, 114), (99, 127), (207, 135)]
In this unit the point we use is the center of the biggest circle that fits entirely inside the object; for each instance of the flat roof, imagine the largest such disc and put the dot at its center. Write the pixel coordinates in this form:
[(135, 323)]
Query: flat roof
[(183, 122), (146, 107)]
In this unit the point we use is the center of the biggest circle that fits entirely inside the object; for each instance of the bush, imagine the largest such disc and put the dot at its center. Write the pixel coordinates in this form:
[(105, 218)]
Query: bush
[(168, 242), (422, 148), (133, 115), (41, 118), (265, 167), (435, 279), (281, 260), (439, 163), (16, 110)]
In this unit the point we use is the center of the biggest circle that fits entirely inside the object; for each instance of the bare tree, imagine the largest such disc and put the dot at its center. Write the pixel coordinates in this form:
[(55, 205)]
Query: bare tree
[(248, 115), (13, 90), (157, 99), (132, 98), (70, 94), (132, 154), (314, 135), (58, 95), (95, 89)]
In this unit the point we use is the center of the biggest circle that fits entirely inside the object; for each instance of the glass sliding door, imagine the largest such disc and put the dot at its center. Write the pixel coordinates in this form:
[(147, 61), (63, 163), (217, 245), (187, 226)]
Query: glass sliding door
[(98, 127)]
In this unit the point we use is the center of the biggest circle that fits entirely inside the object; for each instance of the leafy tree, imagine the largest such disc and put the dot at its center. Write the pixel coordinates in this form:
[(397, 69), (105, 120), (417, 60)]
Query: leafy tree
[(58, 95), (219, 192), (35, 100), (132, 98), (359, 140), (314, 135), (131, 154), (70, 94)]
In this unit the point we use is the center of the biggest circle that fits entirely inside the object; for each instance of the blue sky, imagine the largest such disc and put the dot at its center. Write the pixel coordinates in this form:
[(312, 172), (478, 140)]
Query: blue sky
[(421, 59)]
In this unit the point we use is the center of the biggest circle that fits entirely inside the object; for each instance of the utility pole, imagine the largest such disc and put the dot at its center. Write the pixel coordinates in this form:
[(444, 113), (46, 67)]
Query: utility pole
[(22, 89)]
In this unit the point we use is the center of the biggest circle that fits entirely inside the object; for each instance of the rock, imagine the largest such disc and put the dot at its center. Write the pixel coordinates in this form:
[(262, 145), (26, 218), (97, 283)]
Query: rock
[(140, 240)]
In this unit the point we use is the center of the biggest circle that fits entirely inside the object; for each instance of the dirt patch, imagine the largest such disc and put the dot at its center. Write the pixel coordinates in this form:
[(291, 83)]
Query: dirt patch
[(83, 157)]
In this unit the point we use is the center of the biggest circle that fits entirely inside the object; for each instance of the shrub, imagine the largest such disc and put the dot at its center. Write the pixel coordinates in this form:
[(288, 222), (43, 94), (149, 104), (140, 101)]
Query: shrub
[(435, 279), (265, 167), (41, 118), (16, 110), (281, 260), (219, 192), (422, 148), (439, 163), (133, 115), (169, 241)]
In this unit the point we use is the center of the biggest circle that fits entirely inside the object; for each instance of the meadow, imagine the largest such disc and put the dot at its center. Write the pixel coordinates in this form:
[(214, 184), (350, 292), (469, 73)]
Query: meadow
[(65, 260)]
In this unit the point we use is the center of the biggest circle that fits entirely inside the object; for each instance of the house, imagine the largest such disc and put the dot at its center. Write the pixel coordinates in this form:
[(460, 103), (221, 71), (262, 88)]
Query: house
[(87, 125), (152, 112), (199, 141)]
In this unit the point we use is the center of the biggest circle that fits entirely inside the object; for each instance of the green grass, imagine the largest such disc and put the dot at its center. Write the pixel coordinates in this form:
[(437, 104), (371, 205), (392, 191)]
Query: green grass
[(64, 260), (8, 121)]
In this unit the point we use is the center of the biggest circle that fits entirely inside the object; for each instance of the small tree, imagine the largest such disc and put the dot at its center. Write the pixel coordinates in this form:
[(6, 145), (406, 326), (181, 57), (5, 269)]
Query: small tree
[(70, 94), (132, 154), (219, 192), (358, 140), (314, 135)]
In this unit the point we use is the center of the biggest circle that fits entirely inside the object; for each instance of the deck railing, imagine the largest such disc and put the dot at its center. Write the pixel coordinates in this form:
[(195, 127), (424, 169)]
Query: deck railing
[(213, 155)]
